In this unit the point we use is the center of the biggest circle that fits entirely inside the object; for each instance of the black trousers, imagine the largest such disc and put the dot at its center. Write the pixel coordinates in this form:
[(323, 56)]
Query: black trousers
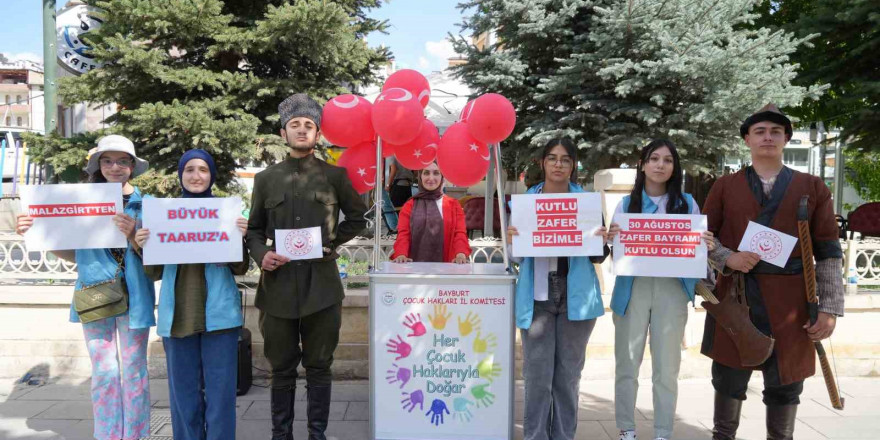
[(310, 339), (733, 382), (400, 194)]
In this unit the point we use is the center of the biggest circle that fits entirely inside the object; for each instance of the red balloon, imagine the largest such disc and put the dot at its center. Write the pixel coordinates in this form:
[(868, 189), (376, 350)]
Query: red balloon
[(346, 122), (421, 151), (463, 159), (360, 164), (387, 149), (466, 111), (410, 80), (492, 118), (397, 116)]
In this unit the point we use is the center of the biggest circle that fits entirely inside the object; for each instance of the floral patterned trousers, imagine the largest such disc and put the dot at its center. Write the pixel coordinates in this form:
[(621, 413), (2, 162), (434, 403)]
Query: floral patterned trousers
[(120, 382)]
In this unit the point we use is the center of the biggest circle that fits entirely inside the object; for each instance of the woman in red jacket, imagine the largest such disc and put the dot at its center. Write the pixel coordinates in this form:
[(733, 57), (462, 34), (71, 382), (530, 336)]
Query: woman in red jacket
[(431, 225)]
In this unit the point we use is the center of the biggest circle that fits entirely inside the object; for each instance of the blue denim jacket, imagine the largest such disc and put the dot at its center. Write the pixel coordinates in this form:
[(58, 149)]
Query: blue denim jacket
[(223, 306), (97, 265), (623, 284), (584, 294)]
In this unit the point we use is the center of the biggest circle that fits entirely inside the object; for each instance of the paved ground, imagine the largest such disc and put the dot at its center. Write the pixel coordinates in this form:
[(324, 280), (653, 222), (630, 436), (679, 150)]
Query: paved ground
[(62, 410)]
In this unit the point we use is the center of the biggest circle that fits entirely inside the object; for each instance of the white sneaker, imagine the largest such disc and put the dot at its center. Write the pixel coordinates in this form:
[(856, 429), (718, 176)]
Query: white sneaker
[(627, 435)]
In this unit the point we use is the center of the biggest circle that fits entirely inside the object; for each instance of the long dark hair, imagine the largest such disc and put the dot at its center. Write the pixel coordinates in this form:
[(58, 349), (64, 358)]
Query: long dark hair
[(676, 203), (570, 148)]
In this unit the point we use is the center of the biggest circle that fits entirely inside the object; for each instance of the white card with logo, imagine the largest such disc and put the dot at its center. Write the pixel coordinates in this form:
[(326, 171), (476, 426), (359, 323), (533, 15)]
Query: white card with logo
[(773, 246), (299, 244)]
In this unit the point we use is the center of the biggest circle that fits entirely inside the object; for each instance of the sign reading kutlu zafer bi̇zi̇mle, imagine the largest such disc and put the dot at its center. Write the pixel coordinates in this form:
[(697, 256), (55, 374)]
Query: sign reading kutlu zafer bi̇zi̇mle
[(669, 245), (442, 361), (556, 225)]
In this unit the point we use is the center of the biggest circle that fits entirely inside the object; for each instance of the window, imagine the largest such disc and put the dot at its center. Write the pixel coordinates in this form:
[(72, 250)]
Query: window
[(18, 99), (9, 121), (795, 157), (18, 122), (7, 101)]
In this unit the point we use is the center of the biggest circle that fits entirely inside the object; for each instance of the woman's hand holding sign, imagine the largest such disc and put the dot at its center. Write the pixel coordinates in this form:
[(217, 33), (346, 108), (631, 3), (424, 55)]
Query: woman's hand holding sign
[(23, 223), (125, 224), (141, 237), (241, 224), (511, 231), (612, 232)]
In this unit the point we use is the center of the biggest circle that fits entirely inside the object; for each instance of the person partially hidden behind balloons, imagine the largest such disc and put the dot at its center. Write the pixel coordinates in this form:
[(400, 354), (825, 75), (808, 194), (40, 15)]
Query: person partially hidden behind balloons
[(431, 226)]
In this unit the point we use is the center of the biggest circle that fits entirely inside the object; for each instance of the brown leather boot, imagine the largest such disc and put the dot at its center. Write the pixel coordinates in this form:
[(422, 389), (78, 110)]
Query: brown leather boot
[(726, 417), (780, 421)]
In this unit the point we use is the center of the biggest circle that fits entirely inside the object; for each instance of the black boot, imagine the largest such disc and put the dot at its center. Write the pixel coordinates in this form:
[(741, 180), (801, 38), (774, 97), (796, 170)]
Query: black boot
[(726, 418), (780, 422), (282, 412), (318, 410)]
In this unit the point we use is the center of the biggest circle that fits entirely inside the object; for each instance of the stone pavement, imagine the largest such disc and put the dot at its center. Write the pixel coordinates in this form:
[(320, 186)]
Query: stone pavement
[(62, 410)]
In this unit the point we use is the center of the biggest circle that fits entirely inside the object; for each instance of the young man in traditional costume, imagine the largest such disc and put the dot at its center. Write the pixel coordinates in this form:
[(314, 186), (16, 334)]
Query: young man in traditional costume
[(769, 193), (300, 301)]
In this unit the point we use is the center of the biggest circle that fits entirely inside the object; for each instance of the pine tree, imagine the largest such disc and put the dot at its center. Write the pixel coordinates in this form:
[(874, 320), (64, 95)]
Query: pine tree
[(613, 74), (210, 74)]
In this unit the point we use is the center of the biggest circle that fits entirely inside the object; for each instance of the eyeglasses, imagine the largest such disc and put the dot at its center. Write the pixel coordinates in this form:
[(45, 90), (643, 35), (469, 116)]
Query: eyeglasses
[(564, 161), (123, 163)]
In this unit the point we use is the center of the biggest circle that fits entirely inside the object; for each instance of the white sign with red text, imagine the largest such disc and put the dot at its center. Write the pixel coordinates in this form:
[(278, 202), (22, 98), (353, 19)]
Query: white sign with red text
[(72, 216), (773, 246), (192, 230), (666, 245), (556, 225), (299, 244)]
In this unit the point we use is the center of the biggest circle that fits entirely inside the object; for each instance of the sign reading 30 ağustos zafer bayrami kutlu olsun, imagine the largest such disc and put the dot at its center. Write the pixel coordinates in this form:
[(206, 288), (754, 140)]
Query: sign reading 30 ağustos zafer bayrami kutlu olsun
[(663, 245)]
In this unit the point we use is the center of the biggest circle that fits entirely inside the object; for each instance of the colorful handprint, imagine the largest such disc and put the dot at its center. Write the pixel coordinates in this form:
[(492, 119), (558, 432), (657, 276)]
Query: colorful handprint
[(414, 323), (484, 345), (417, 397), (488, 369), (401, 375), (440, 316), (398, 346), (471, 322), (483, 397), (462, 412), (438, 407)]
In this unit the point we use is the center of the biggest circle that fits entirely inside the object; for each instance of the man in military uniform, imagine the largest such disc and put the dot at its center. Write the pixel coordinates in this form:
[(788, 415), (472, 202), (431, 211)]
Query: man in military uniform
[(768, 193), (300, 301)]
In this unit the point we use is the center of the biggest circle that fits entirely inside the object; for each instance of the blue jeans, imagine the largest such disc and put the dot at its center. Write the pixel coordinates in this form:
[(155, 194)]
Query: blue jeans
[(202, 375)]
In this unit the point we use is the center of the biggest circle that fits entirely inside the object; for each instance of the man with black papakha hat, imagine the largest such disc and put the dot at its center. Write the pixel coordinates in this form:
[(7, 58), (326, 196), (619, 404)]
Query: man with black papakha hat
[(768, 193), (300, 301)]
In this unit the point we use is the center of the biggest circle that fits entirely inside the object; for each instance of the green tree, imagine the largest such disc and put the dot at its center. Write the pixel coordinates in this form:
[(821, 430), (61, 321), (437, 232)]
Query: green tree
[(613, 74), (863, 173), (843, 55), (210, 73)]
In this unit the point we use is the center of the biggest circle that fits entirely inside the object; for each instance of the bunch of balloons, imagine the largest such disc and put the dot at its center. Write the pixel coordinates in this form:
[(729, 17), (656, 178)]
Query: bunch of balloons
[(397, 118)]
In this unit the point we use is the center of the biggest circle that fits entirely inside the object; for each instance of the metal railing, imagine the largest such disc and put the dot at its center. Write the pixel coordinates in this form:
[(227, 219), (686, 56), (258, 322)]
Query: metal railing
[(17, 264)]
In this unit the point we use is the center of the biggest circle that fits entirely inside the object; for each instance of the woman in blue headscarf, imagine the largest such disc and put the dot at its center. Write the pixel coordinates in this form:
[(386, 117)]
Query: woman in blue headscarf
[(199, 322)]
